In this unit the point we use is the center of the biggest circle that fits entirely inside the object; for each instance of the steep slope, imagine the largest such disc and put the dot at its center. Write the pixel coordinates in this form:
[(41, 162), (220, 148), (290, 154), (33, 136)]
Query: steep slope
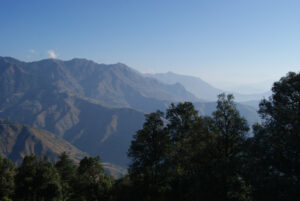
[(47, 96), (91, 127), (202, 89), (17, 140)]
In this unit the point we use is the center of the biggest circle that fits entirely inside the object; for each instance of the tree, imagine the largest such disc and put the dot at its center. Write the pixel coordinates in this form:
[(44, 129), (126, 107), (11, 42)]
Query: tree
[(182, 122), (194, 158), (181, 119), (228, 150), (123, 189), (189, 139), (91, 182), (37, 180), (148, 152), (67, 172), (7, 173), (277, 140)]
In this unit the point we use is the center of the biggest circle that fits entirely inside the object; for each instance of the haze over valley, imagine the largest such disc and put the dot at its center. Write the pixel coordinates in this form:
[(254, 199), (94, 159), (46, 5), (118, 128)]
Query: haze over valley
[(113, 100)]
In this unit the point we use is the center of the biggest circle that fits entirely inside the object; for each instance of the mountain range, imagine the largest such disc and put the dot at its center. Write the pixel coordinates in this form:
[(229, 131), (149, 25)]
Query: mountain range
[(96, 108), (202, 89)]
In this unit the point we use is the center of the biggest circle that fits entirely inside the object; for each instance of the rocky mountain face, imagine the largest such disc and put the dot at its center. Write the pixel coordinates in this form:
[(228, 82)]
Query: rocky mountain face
[(95, 107), (113, 85), (17, 140)]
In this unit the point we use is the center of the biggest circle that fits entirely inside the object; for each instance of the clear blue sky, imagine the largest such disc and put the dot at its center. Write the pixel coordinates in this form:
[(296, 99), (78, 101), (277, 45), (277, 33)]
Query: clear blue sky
[(225, 42)]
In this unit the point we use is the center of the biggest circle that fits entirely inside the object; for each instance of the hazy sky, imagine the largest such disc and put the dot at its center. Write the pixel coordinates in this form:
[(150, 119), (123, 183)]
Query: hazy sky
[(224, 42)]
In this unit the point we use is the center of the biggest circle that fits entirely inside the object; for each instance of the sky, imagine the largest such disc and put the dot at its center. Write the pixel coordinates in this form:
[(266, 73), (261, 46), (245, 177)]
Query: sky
[(228, 43)]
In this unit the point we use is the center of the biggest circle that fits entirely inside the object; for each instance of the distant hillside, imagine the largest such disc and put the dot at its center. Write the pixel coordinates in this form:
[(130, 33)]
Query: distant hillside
[(91, 127), (95, 107), (46, 96), (202, 89), (113, 85), (17, 140)]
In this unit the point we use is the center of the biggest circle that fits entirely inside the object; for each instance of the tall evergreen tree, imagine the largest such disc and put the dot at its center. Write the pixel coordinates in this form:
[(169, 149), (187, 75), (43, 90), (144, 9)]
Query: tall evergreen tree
[(67, 171), (37, 180), (91, 182), (275, 148), (182, 121), (231, 130), (188, 136), (148, 152)]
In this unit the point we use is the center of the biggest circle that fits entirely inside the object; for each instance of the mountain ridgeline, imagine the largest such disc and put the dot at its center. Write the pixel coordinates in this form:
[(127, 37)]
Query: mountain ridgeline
[(95, 107), (203, 90)]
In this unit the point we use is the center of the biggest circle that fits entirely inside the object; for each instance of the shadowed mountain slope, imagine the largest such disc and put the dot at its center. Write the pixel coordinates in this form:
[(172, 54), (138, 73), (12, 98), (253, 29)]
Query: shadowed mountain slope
[(17, 141), (46, 96), (91, 127)]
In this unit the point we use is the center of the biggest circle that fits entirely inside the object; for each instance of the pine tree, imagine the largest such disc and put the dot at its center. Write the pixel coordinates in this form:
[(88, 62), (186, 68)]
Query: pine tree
[(148, 152), (275, 148), (37, 180), (92, 184), (67, 171), (228, 149)]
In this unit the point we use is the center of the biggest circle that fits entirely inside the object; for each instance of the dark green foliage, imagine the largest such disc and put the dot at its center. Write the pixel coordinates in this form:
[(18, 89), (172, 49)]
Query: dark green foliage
[(198, 158), (67, 173), (208, 152), (228, 150), (37, 180), (181, 120), (185, 128), (149, 151), (123, 189), (7, 173), (275, 148), (91, 182)]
